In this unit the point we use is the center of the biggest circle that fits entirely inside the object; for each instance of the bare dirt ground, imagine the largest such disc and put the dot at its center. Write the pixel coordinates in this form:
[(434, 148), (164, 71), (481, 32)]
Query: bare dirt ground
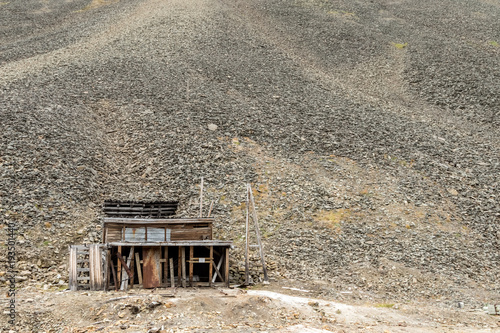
[(258, 309)]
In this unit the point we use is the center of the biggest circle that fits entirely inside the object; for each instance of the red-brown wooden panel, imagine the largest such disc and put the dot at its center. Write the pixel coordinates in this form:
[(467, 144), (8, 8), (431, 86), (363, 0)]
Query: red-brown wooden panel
[(151, 267)]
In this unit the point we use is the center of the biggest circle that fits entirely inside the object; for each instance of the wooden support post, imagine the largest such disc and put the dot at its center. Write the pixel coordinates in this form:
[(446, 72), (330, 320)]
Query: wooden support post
[(108, 271), (210, 267), (165, 265), (201, 198), (257, 231), (73, 272), (226, 268), (131, 267), (247, 236), (179, 266), (183, 264), (172, 278), (127, 272), (115, 279), (139, 272), (119, 266), (191, 255), (95, 267)]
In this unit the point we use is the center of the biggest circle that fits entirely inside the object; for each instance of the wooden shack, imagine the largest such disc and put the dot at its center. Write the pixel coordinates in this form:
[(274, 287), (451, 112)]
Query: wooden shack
[(143, 246)]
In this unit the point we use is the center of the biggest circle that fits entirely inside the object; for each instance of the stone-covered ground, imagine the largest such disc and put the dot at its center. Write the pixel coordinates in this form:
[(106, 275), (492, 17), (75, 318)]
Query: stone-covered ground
[(369, 131)]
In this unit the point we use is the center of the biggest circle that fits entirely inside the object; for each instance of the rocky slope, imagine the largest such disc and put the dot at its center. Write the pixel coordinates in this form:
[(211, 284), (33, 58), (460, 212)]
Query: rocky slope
[(369, 130)]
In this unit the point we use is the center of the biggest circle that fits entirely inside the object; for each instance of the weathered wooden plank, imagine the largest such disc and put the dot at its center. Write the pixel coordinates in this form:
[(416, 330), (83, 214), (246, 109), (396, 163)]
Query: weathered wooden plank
[(247, 236), (191, 255), (115, 278), (211, 265), (95, 267), (257, 230), (165, 264), (172, 277), (131, 267), (138, 209), (83, 278), (151, 267), (207, 242), (73, 273), (107, 270), (122, 220), (179, 266), (183, 264), (139, 273), (226, 267), (201, 198), (119, 267)]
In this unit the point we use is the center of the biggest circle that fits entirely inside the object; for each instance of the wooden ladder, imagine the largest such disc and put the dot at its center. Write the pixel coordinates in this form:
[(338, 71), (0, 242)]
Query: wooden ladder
[(85, 267)]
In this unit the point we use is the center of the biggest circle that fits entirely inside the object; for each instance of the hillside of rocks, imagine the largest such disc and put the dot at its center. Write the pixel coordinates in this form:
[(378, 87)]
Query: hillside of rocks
[(369, 131)]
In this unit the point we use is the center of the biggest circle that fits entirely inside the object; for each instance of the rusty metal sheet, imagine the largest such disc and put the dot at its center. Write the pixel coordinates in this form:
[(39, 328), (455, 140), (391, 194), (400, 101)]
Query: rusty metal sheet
[(151, 267)]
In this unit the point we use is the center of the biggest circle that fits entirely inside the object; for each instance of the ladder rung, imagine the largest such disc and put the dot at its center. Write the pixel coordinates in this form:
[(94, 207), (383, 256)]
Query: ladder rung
[(81, 278), (83, 269), (82, 260), (254, 245)]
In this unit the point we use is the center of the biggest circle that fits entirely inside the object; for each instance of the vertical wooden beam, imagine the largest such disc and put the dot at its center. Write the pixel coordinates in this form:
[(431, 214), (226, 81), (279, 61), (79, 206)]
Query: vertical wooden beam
[(191, 255), (73, 272), (183, 264), (165, 267), (125, 273), (95, 267), (107, 270), (257, 231), (119, 267), (179, 265), (172, 278), (131, 267), (139, 272), (247, 235), (201, 198), (114, 274), (210, 265), (226, 268)]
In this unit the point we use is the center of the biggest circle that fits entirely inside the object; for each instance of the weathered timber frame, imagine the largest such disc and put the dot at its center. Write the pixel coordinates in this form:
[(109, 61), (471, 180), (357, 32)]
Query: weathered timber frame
[(197, 263), (144, 247)]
